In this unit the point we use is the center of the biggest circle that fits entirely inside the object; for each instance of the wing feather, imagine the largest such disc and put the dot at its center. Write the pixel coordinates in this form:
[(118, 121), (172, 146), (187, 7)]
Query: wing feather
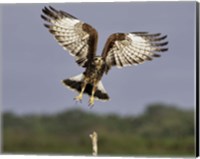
[(76, 37), (126, 49)]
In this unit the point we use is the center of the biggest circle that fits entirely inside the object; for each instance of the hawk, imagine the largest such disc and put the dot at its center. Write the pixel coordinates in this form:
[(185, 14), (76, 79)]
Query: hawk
[(80, 40)]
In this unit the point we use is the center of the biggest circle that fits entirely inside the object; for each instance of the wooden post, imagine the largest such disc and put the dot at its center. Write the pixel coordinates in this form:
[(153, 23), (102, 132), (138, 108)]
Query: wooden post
[(94, 138)]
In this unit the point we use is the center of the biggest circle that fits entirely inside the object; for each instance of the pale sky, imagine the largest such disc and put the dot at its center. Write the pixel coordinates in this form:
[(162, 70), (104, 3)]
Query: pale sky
[(34, 64)]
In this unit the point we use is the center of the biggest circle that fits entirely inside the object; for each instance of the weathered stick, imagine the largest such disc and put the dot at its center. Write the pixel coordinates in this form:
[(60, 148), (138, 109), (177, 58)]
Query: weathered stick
[(94, 138)]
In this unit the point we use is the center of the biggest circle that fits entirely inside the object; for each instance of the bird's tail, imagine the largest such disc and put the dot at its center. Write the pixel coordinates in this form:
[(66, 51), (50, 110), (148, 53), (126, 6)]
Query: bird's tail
[(75, 83)]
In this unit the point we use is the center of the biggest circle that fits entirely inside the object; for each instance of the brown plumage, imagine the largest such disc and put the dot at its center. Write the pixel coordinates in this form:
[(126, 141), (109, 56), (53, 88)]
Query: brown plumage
[(80, 40)]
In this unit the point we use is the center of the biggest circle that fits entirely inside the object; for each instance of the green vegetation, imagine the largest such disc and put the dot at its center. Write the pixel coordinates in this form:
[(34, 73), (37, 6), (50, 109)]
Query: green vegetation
[(160, 131)]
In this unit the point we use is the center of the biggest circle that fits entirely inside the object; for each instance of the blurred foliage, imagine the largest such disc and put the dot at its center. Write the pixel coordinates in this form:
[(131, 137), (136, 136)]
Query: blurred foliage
[(162, 130)]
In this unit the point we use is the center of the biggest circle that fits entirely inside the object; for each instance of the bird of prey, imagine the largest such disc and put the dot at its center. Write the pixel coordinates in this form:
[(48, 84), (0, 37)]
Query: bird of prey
[(120, 50)]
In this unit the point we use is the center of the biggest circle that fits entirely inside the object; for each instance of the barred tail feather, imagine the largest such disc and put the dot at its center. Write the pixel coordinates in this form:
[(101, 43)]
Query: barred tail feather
[(75, 83), (101, 92)]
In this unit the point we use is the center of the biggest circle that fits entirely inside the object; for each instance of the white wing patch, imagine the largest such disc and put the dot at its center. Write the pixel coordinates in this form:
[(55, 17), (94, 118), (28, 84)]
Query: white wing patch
[(69, 22), (136, 38), (132, 48), (69, 33)]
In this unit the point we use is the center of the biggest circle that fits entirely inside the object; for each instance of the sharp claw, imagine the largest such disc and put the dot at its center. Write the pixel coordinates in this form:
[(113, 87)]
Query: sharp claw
[(91, 102), (78, 98), (91, 105)]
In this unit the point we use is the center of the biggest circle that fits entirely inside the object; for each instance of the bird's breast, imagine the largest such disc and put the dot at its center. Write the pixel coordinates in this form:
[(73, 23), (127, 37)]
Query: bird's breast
[(94, 72)]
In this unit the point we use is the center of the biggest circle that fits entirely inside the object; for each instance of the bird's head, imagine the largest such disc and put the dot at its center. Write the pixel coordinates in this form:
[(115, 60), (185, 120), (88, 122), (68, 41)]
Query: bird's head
[(98, 60)]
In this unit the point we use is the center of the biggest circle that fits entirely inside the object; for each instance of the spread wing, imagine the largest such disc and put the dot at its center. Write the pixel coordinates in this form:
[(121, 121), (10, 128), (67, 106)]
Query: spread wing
[(75, 36), (125, 49)]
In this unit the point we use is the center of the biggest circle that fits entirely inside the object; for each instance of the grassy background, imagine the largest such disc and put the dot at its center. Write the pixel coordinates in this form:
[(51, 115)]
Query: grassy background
[(162, 130)]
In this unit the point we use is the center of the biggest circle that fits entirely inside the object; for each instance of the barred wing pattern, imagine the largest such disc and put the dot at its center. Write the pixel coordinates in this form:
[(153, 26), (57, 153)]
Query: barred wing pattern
[(75, 36), (125, 49)]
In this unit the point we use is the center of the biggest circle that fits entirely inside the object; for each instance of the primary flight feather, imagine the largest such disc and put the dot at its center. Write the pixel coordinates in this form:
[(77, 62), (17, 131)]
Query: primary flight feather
[(80, 40)]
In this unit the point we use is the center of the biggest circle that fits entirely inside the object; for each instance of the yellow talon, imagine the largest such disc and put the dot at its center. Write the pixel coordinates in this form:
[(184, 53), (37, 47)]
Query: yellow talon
[(78, 98), (91, 101)]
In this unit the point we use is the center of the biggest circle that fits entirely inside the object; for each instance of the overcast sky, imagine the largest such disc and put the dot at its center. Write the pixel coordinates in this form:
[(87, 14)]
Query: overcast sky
[(34, 64)]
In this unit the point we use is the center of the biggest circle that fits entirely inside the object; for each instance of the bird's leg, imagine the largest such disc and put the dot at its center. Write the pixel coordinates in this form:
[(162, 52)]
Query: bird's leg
[(80, 96), (91, 100)]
